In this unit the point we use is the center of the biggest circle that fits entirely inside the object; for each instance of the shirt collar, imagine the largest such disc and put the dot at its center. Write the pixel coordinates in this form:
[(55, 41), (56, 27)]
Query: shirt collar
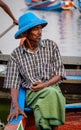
[(23, 48)]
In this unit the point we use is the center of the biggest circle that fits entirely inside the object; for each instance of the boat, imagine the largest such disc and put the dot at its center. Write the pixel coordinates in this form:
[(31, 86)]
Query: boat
[(23, 123), (49, 5), (79, 5), (73, 77)]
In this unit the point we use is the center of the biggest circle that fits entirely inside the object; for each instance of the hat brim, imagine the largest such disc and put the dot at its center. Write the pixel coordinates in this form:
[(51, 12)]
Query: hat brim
[(31, 25)]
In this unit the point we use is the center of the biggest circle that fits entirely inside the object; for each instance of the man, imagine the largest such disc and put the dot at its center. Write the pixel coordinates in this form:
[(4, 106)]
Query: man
[(37, 66), (8, 11)]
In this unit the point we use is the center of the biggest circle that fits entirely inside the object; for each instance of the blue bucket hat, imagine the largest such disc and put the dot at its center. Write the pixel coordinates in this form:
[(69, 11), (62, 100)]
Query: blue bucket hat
[(27, 21)]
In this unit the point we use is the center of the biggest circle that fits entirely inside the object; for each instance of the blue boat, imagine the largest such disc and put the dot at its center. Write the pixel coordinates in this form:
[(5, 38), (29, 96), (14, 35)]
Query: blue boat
[(49, 5), (79, 5)]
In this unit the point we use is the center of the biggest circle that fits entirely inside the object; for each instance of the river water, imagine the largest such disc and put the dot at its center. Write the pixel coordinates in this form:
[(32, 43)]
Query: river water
[(63, 27)]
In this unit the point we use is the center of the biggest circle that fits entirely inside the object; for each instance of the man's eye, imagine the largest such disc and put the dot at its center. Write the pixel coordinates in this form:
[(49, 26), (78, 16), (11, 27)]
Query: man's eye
[(34, 29)]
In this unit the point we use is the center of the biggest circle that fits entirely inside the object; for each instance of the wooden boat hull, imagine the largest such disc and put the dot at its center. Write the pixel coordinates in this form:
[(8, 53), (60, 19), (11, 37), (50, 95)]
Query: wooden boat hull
[(49, 5), (73, 122), (68, 86)]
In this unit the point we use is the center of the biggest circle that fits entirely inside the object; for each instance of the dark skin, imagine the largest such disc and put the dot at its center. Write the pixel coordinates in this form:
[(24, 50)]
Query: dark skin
[(8, 11), (32, 38)]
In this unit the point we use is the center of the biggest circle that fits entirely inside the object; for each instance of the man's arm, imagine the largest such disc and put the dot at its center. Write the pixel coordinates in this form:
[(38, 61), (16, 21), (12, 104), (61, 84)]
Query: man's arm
[(8, 11), (15, 105), (40, 85)]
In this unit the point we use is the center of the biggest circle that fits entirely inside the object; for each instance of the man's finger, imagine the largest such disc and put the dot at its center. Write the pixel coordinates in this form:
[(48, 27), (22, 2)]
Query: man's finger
[(16, 116), (10, 117), (24, 114)]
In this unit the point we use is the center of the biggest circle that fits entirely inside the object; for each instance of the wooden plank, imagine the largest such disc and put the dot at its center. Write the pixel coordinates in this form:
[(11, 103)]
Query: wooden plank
[(71, 88), (68, 60), (4, 57), (71, 72), (8, 29), (73, 106), (69, 81), (2, 75), (71, 60)]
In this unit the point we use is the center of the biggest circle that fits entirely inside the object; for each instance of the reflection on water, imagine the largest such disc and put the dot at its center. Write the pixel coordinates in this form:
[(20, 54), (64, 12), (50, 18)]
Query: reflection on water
[(70, 33), (63, 27)]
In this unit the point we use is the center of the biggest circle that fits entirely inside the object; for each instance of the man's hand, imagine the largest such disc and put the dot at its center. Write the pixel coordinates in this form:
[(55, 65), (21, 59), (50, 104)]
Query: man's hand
[(15, 113), (15, 21), (38, 85)]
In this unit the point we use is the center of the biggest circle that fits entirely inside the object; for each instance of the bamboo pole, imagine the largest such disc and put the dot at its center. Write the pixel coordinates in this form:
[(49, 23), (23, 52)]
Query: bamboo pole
[(7, 30)]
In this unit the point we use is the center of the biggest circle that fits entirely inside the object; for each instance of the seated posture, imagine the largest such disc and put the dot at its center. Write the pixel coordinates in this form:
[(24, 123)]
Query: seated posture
[(36, 65)]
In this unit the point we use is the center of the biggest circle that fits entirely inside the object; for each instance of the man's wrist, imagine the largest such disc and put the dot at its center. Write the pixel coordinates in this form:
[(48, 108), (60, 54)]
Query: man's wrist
[(15, 104), (46, 84)]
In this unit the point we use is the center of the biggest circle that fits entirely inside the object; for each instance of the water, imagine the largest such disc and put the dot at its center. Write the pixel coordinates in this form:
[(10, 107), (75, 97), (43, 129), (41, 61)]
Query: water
[(63, 27)]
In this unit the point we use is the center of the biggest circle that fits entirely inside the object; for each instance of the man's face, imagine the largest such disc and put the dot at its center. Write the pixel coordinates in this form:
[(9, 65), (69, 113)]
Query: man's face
[(34, 34)]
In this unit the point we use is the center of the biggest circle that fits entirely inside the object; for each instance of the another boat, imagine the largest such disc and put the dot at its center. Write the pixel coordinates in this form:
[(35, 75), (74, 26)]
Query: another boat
[(73, 78), (79, 5), (50, 4)]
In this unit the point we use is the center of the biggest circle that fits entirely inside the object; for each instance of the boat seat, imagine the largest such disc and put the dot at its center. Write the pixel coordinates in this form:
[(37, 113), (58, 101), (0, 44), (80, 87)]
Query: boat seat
[(73, 106), (73, 72), (21, 100)]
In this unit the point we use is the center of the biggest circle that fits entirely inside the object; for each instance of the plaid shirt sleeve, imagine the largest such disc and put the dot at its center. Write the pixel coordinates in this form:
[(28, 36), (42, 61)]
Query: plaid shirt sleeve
[(12, 79), (58, 65)]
